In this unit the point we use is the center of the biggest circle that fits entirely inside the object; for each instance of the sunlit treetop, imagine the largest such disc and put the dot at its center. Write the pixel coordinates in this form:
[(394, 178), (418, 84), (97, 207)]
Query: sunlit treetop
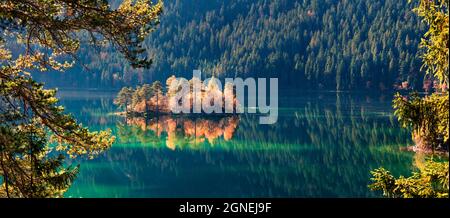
[(54, 27), (435, 41), (46, 35), (51, 33)]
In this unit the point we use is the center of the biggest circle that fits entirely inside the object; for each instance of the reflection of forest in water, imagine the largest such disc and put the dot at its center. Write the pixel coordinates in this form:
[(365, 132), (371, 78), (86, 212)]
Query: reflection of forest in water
[(322, 145)]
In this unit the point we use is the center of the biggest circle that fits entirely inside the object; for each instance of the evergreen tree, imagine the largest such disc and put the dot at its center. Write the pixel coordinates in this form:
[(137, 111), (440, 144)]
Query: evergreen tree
[(428, 116), (46, 36)]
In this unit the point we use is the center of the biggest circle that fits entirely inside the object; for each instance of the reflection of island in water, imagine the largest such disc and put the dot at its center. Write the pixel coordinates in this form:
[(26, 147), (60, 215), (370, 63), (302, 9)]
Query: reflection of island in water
[(185, 131), (337, 136)]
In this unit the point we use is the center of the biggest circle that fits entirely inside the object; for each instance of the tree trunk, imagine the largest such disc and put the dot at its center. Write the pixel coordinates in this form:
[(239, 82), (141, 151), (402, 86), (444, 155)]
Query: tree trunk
[(146, 108), (5, 175), (126, 109)]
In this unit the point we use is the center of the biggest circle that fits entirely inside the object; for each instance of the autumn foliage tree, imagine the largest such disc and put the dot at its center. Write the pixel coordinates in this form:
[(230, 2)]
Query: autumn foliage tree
[(41, 35)]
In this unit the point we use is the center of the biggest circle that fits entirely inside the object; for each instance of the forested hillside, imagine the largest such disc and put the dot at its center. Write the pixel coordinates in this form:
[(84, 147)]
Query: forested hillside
[(326, 44)]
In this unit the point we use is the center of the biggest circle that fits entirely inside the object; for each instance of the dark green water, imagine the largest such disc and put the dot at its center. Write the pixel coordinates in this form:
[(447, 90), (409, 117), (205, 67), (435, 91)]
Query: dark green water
[(323, 145)]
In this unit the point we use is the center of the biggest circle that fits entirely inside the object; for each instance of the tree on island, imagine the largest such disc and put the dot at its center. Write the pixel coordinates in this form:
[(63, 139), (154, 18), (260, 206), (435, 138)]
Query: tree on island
[(146, 93), (123, 98), (35, 132), (157, 91)]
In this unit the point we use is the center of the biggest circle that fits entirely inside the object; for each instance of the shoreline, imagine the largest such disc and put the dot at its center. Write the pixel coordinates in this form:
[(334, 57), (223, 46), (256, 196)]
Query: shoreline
[(413, 148), (157, 114)]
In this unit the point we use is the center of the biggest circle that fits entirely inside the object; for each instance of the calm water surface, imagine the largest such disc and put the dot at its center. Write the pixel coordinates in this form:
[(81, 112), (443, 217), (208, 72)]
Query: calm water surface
[(323, 145)]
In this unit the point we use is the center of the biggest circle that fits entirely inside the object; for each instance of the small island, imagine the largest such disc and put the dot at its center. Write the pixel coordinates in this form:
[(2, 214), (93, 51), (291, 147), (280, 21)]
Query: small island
[(150, 100)]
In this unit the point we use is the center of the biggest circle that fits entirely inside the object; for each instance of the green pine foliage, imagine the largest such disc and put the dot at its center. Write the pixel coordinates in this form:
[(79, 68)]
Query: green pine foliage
[(428, 116), (36, 134), (430, 182), (334, 45), (27, 166)]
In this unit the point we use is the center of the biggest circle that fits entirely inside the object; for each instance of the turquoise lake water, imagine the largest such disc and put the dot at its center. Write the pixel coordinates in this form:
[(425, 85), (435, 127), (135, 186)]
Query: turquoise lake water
[(323, 145)]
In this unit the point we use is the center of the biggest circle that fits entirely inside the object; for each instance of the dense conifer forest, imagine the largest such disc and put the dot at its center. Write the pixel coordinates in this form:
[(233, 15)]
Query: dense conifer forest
[(331, 45)]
